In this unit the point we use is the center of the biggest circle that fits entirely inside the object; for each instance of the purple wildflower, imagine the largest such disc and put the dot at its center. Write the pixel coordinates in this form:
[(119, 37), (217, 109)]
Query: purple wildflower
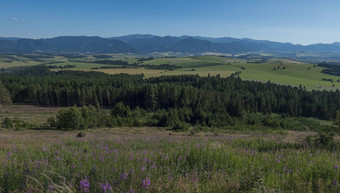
[(101, 158), (336, 167), (51, 188), (84, 185), (146, 183), (106, 187), (335, 182), (131, 191), (153, 165), (124, 176), (142, 168)]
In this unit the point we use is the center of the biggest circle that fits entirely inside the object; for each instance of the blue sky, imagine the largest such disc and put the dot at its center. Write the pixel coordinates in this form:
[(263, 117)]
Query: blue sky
[(296, 21)]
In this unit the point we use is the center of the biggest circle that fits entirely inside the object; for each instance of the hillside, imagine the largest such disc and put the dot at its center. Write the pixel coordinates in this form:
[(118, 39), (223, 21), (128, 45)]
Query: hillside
[(65, 44)]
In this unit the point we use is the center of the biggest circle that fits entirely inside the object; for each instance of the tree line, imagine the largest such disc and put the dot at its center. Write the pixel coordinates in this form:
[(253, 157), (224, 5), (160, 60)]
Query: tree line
[(215, 97)]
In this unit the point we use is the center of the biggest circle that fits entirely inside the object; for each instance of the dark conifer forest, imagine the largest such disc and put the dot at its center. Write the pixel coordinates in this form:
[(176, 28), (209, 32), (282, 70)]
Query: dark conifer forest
[(188, 99)]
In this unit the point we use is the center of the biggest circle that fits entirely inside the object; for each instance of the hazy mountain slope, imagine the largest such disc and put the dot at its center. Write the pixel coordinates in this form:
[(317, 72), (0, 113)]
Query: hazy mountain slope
[(146, 44), (66, 44)]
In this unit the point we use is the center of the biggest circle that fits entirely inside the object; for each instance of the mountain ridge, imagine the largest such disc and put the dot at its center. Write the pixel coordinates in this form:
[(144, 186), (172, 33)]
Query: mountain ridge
[(148, 43)]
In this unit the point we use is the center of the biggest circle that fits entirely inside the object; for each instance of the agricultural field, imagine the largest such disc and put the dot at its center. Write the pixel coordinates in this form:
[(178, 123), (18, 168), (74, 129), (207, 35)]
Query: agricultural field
[(294, 73), (276, 70), (13, 60)]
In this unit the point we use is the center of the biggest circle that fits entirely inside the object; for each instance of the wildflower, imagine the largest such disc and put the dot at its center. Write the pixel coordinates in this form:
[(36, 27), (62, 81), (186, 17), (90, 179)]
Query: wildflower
[(51, 187), (131, 191), (101, 158), (124, 176), (153, 165), (146, 183), (335, 182), (106, 187), (84, 185), (336, 167), (194, 180), (142, 168), (145, 159)]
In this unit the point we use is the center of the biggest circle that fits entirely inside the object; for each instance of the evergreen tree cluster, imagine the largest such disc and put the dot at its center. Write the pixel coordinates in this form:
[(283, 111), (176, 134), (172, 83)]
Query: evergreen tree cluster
[(190, 97)]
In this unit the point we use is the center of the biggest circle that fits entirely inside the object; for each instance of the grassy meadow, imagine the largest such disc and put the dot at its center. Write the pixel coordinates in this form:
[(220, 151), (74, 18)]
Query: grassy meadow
[(51, 161), (153, 159), (29, 113)]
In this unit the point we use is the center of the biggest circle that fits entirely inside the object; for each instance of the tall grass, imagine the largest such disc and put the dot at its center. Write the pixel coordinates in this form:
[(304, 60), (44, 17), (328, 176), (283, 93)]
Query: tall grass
[(167, 164)]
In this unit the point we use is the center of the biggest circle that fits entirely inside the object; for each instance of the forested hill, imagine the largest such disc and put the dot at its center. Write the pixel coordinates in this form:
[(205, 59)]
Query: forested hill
[(147, 44), (199, 97), (65, 44)]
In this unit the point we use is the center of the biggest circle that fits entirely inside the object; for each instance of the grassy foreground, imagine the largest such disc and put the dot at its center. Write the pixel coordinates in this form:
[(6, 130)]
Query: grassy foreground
[(59, 162)]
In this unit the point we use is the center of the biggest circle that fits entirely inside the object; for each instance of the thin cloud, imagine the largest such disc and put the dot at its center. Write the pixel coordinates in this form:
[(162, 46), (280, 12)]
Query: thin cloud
[(18, 20)]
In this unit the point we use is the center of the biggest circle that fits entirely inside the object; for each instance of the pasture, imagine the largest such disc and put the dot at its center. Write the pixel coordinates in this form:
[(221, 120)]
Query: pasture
[(276, 70)]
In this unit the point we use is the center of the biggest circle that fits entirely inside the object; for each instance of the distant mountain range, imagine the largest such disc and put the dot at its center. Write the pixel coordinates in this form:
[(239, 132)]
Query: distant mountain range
[(147, 44)]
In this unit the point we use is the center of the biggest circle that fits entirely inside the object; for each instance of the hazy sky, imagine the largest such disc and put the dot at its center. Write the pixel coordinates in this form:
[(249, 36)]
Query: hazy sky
[(296, 21)]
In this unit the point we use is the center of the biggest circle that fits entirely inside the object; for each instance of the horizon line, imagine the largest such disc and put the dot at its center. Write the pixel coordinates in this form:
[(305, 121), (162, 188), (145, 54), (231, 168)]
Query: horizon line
[(193, 36)]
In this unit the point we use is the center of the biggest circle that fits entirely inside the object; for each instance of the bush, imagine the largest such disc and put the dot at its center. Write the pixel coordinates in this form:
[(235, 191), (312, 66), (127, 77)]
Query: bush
[(69, 119), (271, 122), (8, 123), (17, 124), (321, 140), (120, 110), (180, 126)]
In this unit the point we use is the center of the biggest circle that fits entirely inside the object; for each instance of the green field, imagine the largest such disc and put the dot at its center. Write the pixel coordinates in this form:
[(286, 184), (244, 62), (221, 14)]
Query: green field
[(295, 73), (290, 72)]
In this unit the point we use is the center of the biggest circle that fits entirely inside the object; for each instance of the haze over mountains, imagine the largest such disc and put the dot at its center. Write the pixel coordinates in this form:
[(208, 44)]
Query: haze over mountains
[(147, 44)]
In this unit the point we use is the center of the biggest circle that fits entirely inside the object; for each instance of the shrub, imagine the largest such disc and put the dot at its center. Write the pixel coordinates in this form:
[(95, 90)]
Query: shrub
[(180, 126), (69, 119), (8, 123), (321, 140), (120, 110), (271, 122)]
